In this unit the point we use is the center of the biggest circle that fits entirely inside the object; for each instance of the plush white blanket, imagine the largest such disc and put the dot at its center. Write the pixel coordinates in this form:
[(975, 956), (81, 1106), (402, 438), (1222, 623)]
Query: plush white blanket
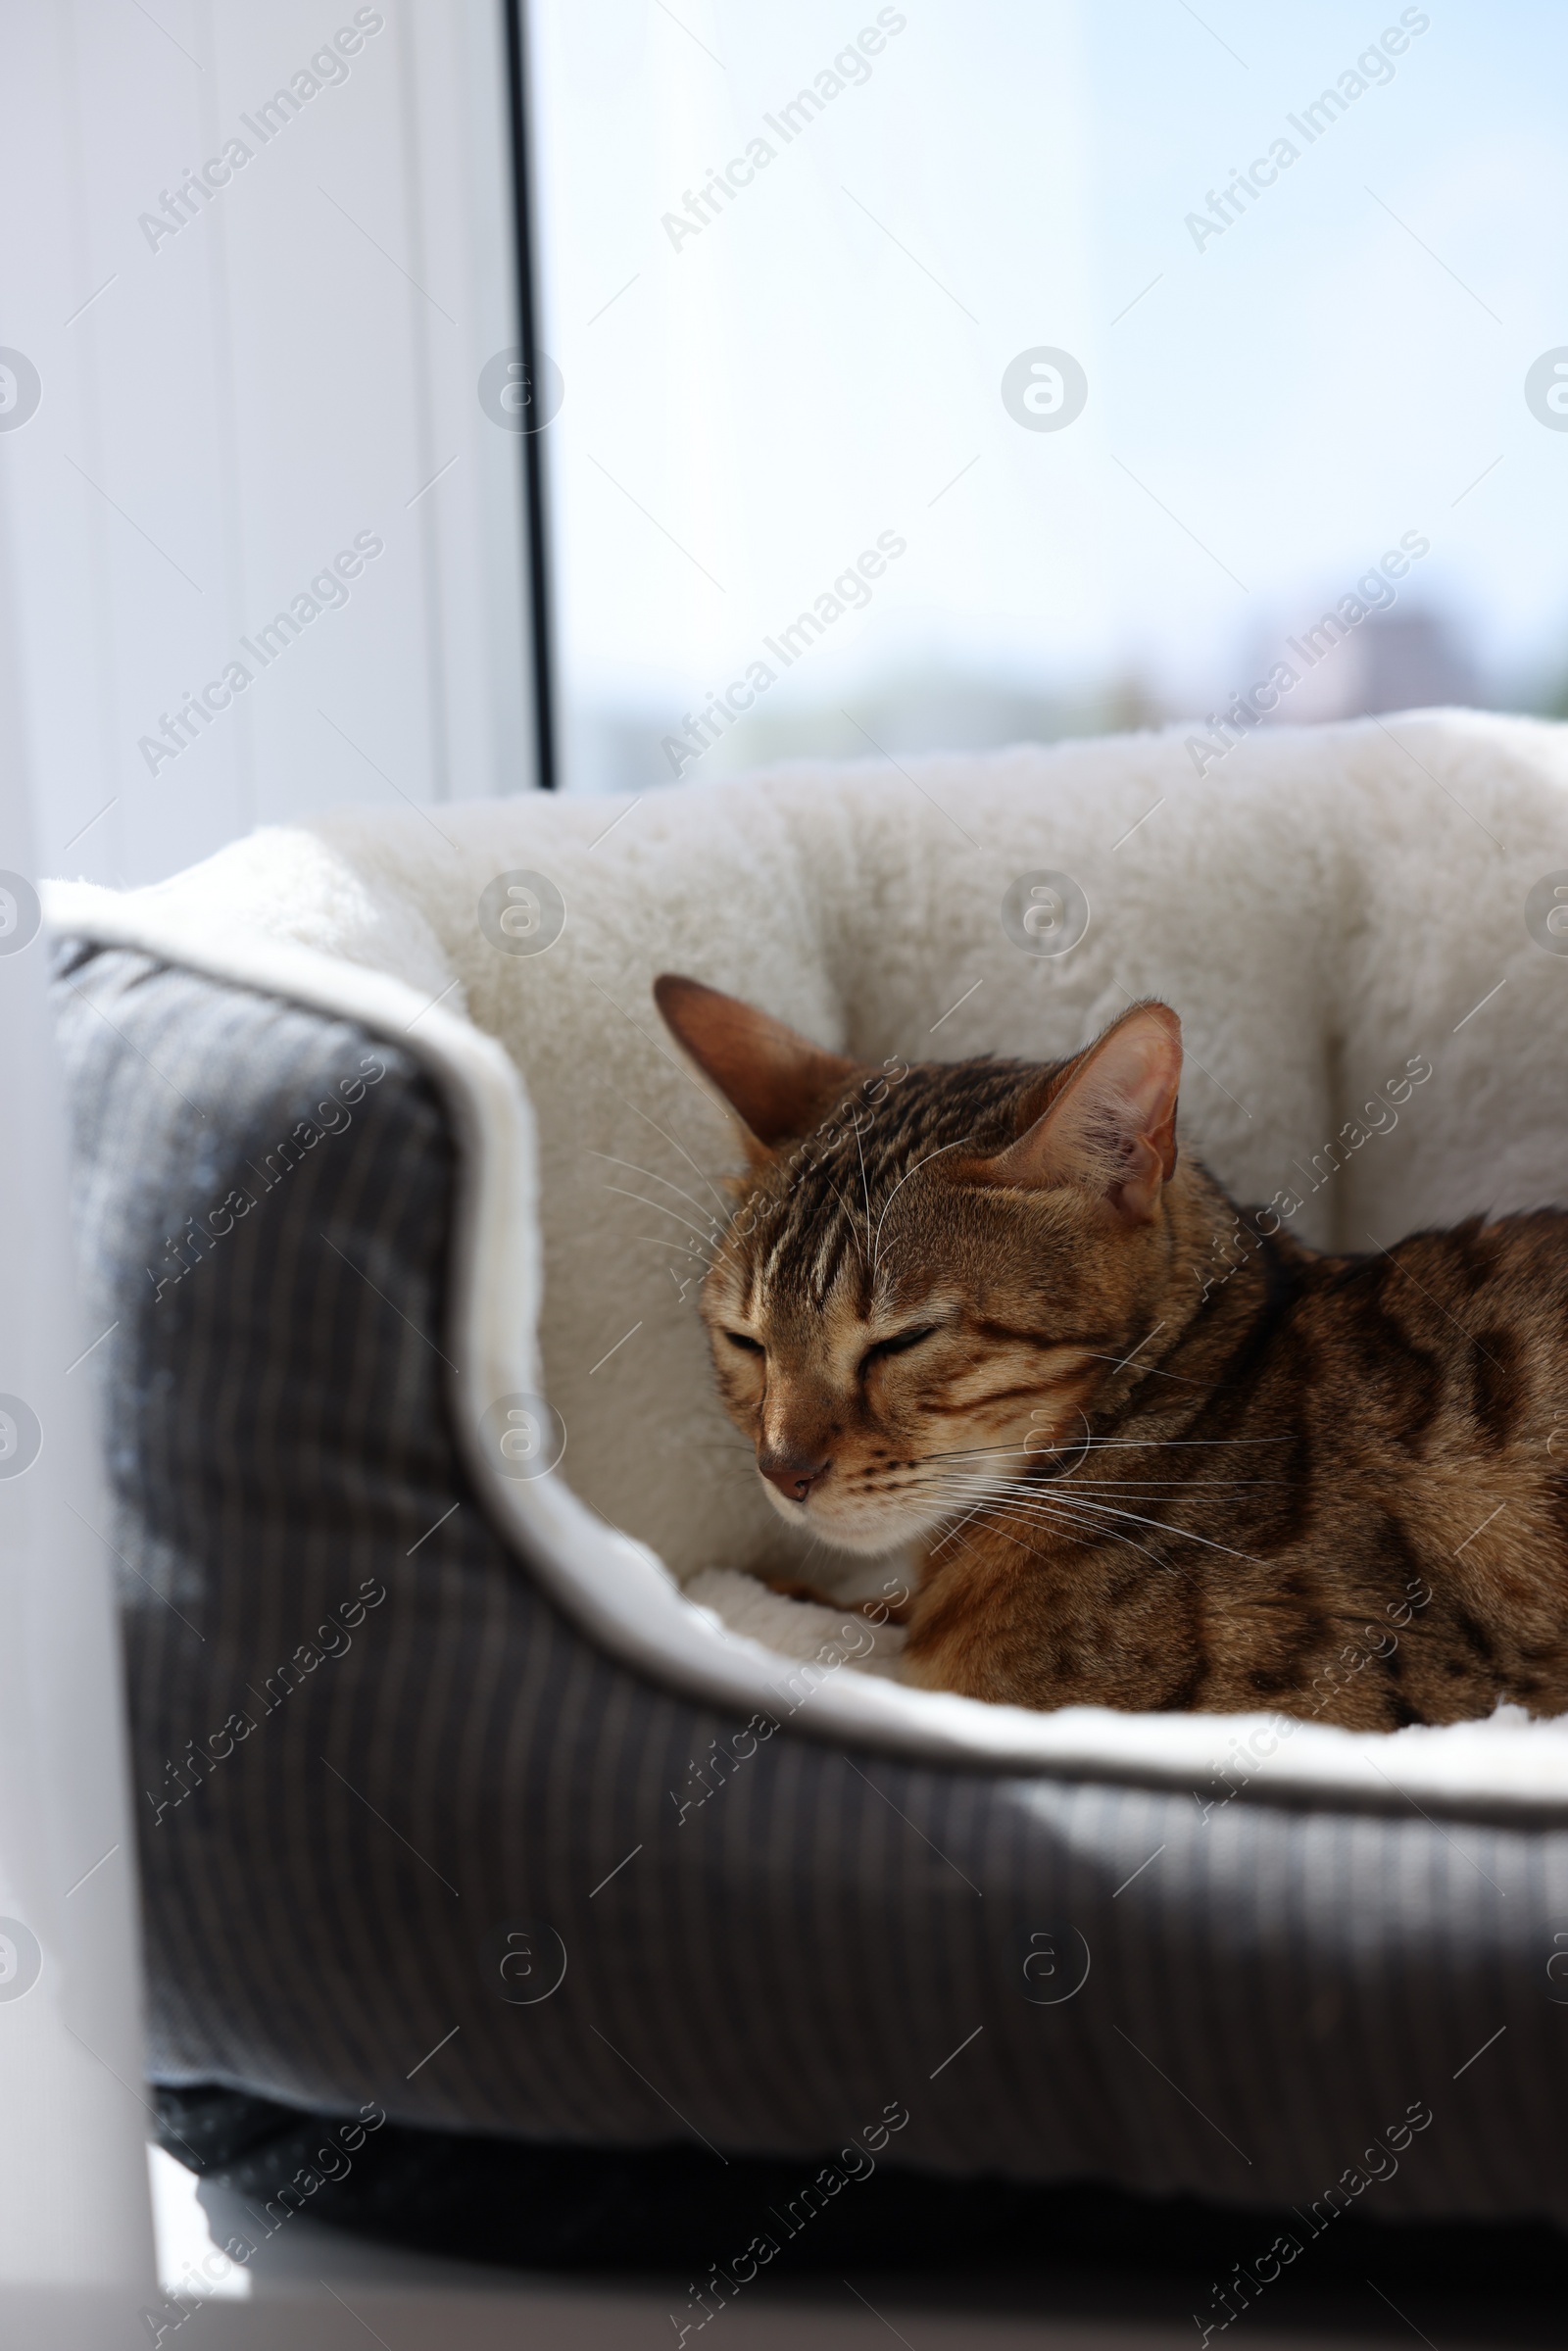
[(1328, 910)]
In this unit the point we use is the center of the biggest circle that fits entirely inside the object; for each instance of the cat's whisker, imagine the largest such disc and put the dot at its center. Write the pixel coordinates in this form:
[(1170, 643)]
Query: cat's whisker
[(969, 1452), (1060, 1518), (1171, 1484), (898, 1187), (1161, 1526), (953, 1535), (1098, 1445), (1001, 1530), (970, 1498), (1176, 1486), (660, 1209), (1151, 1371), (1078, 1526), (690, 1198), (1157, 1444), (849, 1217), (1022, 1496), (1074, 1531), (1095, 1530), (860, 1143), (726, 1206), (1059, 1481), (969, 1515), (693, 1256), (1006, 1487)]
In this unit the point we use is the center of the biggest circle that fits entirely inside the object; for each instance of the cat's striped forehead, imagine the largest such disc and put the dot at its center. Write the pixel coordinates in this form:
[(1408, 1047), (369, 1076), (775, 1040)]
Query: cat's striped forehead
[(830, 1212)]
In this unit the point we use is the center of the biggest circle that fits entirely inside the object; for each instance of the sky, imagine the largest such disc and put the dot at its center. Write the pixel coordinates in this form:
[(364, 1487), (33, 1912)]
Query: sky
[(1272, 399)]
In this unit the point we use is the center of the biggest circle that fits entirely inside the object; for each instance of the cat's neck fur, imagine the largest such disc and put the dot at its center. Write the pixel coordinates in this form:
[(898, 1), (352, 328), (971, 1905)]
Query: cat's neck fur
[(1216, 1271)]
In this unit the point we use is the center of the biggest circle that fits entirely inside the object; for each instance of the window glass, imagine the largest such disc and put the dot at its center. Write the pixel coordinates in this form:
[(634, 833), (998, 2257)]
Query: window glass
[(941, 375)]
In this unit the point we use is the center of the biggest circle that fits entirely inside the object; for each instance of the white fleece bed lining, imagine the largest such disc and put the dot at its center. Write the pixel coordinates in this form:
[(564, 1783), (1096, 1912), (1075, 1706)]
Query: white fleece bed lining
[(620, 1593)]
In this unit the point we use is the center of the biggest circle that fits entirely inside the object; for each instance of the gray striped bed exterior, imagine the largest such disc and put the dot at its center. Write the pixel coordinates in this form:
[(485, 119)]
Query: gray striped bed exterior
[(827, 1940)]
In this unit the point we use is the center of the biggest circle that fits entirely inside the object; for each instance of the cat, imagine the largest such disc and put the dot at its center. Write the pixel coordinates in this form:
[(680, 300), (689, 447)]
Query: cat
[(1151, 1453)]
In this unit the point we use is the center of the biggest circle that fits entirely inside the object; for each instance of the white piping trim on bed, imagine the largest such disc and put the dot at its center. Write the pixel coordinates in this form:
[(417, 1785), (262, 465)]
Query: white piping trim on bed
[(623, 1597)]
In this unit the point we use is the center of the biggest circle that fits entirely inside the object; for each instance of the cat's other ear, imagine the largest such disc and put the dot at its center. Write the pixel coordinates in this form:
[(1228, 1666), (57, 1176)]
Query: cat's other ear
[(778, 1083), (1109, 1126)]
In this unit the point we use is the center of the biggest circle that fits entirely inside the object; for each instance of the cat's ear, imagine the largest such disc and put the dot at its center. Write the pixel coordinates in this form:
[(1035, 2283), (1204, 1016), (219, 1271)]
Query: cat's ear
[(778, 1082), (1109, 1126)]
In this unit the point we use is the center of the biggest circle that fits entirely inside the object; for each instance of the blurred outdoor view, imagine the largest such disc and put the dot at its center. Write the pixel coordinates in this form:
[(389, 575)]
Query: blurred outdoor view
[(938, 377)]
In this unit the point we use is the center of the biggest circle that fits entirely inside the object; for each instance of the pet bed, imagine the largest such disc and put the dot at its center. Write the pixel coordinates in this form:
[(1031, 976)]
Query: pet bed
[(478, 1785)]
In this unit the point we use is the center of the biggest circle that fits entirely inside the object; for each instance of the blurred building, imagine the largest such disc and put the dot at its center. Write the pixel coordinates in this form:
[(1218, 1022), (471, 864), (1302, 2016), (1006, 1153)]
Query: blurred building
[(1405, 660), (936, 706)]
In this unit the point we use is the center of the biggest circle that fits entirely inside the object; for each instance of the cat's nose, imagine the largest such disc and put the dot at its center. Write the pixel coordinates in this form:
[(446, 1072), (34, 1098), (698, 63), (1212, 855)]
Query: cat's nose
[(794, 1474)]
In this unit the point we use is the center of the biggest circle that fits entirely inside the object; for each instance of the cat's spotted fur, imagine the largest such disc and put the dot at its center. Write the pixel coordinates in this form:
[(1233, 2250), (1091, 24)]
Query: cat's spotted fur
[(978, 1310)]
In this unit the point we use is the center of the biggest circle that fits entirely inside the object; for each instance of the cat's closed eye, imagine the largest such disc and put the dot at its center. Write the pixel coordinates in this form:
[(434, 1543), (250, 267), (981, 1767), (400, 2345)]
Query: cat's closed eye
[(899, 1344), (748, 1346)]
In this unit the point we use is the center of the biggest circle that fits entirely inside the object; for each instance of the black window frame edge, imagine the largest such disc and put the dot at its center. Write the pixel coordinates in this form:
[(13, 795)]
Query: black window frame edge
[(535, 537)]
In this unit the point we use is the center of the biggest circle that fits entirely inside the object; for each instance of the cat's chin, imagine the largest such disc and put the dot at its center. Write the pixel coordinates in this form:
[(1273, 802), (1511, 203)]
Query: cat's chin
[(872, 1535)]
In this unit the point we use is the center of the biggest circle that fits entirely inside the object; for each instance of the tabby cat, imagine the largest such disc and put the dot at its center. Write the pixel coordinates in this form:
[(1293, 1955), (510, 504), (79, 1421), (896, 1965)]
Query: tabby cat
[(1150, 1452)]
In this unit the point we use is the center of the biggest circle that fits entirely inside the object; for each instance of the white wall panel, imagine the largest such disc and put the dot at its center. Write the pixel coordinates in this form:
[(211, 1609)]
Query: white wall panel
[(227, 405)]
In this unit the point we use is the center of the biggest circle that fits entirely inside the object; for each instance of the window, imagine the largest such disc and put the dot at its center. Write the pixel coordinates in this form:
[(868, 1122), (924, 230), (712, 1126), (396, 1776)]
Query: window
[(808, 274)]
